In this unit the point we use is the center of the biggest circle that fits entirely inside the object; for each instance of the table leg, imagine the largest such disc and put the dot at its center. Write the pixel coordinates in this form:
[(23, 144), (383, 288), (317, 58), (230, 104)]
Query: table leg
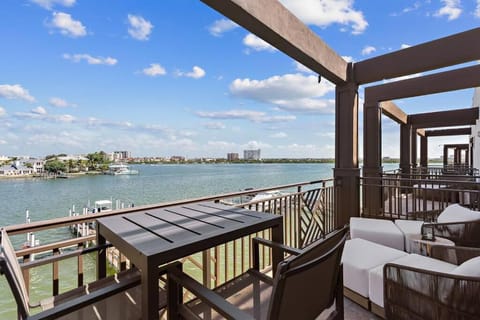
[(277, 254), (150, 292), (101, 256)]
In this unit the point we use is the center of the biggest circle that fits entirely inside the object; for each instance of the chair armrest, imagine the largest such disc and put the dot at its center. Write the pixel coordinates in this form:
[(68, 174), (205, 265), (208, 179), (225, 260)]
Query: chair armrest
[(463, 233), (418, 293), (255, 247), (214, 300)]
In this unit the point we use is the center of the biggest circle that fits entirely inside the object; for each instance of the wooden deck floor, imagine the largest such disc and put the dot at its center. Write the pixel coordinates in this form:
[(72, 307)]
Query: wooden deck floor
[(352, 312)]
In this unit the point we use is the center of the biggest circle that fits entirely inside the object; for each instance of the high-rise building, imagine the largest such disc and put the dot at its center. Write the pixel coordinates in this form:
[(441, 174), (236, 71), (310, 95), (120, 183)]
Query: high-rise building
[(232, 156), (120, 155), (251, 154)]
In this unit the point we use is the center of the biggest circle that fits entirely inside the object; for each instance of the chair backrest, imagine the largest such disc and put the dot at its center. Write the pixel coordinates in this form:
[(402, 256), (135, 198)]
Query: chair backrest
[(11, 268), (305, 285)]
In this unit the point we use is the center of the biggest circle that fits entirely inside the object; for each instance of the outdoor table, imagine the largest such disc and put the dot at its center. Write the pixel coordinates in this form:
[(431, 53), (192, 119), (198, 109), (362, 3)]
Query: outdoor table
[(153, 237)]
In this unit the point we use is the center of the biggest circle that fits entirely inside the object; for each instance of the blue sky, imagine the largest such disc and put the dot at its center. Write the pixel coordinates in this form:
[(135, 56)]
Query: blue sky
[(174, 77)]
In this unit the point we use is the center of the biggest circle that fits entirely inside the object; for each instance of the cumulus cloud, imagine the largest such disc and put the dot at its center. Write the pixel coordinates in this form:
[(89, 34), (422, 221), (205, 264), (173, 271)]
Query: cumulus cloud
[(139, 28), (109, 61), (15, 91), (213, 125), (49, 4), (60, 103), (405, 46), (2, 111), (323, 13), (293, 92), (348, 58), (39, 110), (367, 50), (477, 9), (219, 27), (254, 116), (301, 68), (154, 70), (255, 43), (451, 9), (196, 73), (67, 26)]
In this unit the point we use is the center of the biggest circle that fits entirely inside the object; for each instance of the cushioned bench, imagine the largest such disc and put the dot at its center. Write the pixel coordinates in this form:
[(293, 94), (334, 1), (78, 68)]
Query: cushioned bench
[(359, 257), (377, 230)]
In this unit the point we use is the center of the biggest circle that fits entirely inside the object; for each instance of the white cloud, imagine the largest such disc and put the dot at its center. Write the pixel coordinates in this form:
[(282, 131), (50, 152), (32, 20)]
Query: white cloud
[(2, 111), (67, 26), (154, 70), (15, 91), (278, 135), (348, 58), (367, 50), (196, 73), (109, 61), (293, 92), (405, 46), (323, 13), (221, 26), (451, 9), (39, 110), (253, 144), (301, 68), (60, 103), (477, 9), (49, 4), (214, 125), (3, 141), (257, 44), (221, 144), (254, 116), (140, 28)]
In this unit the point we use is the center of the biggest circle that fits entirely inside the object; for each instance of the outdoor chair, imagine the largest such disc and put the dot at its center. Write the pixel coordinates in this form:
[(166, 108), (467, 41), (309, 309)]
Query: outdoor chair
[(418, 293), (115, 297), (308, 283)]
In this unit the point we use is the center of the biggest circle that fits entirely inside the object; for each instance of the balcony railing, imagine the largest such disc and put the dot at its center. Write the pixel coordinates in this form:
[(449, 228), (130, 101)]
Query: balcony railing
[(418, 196), (308, 208)]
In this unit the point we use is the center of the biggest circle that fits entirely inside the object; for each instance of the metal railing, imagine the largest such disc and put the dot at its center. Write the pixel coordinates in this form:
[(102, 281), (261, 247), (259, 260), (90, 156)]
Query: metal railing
[(308, 208), (417, 196)]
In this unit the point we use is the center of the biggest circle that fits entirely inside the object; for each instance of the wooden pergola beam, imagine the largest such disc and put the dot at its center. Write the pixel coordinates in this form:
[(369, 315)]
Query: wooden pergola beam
[(448, 132), (463, 78), (450, 118), (391, 110), (421, 132), (448, 51), (272, 22)]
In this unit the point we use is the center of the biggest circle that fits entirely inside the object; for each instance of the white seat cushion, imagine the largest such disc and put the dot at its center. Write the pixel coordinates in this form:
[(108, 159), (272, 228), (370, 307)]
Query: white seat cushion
[(359, 256), (375, 276), (457, 213), (377, 230), (409, 228)]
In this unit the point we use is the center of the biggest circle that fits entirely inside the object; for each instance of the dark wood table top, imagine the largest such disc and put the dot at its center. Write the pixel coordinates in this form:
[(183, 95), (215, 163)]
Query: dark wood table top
[(165, 234)]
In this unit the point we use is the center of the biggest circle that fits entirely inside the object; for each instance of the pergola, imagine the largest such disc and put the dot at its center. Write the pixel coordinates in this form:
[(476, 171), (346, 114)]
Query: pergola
[(272, 22)]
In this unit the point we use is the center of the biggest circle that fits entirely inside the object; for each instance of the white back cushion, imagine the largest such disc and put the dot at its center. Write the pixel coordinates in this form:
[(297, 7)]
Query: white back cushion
[(470, 268), (457, 213)]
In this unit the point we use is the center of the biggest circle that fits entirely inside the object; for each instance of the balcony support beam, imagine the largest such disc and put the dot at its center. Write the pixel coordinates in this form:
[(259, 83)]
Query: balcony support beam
[(346, 171), (272, 22)]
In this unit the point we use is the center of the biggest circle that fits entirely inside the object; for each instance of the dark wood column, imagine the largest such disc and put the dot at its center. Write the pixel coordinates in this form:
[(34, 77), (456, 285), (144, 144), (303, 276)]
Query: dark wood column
[(405, 148), (424, 151), (445, 155), (413, 147), (346, 171), (372, 155)]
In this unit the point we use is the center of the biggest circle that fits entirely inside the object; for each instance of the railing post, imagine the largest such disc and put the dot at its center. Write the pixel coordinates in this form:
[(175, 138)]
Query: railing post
[(26, 273), (55, 284), (101, 256), (207, 268), (80, 267)]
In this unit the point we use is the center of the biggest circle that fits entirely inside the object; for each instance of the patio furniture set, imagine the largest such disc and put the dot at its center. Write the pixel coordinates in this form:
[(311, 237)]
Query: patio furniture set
[(414, 270)]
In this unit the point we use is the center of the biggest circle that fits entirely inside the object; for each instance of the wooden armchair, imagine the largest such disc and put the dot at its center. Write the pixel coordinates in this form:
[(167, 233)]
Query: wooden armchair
[(306, 284), (115, 297), (414, 293)]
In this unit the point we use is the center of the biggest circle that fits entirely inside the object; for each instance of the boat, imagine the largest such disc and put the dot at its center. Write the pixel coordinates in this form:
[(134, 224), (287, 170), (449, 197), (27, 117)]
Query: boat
[(120, 169)]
